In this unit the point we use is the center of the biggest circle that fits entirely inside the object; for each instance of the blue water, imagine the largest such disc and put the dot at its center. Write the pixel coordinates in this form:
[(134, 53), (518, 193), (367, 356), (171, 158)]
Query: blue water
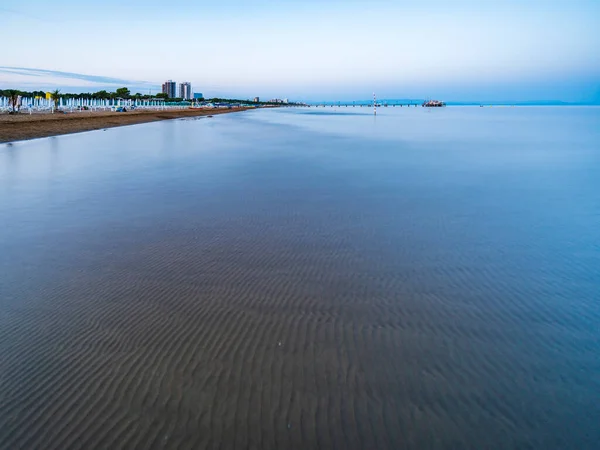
[(305, 278)]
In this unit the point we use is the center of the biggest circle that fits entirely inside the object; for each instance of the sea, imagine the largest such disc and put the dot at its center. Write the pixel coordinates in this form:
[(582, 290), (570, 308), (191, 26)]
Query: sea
[(327, 278)]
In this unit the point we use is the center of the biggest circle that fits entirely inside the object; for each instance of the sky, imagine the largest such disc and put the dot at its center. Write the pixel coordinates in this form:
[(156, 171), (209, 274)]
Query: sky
[(309, 50)]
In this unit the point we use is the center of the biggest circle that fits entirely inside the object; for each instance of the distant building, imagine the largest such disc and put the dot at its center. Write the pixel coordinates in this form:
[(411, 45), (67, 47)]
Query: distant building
[(169, 88), (275, 100), (185, 90), (256, 99), (198, 96)]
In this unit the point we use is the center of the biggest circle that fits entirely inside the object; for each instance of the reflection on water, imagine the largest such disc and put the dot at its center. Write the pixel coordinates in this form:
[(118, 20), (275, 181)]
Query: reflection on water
[(287, 279)]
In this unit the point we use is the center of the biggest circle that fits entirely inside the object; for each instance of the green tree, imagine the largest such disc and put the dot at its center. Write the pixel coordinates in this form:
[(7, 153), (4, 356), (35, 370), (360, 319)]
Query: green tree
[(123, 92), (56, 97), (162, 95), (102, 95), (13, 98)]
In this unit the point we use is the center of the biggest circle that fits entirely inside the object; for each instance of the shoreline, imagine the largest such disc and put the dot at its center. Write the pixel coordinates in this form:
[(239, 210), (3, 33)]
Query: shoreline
[(21, 127)]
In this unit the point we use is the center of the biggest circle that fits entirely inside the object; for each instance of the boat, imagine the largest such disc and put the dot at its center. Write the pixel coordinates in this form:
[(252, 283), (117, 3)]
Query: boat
[(433, 104)]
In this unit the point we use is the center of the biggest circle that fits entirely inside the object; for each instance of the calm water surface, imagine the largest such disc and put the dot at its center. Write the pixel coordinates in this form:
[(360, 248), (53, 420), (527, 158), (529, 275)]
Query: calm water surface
[(305, 278)]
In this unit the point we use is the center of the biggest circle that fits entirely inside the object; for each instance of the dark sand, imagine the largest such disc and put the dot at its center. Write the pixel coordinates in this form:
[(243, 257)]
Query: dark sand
[(187, 345), (241, 284), (25, 126)]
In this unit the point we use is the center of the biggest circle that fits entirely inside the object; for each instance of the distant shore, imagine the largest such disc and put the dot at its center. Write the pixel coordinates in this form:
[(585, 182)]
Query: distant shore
[(23, 126)]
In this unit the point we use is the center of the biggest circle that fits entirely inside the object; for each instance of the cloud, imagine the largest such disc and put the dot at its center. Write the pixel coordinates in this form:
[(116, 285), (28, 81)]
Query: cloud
[(42, 79), (18, 13)]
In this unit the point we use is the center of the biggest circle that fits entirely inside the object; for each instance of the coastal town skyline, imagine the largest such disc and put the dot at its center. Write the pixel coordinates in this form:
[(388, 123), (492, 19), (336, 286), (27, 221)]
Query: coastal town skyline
[(460, 50)]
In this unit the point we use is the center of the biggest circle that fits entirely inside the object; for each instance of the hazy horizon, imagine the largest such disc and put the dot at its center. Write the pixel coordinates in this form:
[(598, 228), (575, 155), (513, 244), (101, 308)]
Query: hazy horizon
[(459, 51)]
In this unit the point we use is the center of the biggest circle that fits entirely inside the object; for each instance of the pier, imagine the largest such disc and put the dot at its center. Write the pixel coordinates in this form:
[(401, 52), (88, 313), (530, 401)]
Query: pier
[(365, 105)]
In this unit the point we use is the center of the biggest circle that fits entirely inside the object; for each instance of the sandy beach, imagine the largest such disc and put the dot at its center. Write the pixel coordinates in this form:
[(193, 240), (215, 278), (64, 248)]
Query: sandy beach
[(25, 126)]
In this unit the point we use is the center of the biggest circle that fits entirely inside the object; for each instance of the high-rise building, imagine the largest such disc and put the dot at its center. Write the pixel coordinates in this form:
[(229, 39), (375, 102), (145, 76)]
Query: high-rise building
[(256, 99), (168, 88), (185, 90)]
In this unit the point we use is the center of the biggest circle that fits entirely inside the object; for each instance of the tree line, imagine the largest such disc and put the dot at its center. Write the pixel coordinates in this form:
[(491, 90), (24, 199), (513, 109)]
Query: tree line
[(14, 94), (123, 92)]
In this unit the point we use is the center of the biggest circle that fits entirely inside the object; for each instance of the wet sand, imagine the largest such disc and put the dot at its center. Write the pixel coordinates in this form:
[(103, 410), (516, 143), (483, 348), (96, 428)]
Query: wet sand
[(240, 283), (23, 126)]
